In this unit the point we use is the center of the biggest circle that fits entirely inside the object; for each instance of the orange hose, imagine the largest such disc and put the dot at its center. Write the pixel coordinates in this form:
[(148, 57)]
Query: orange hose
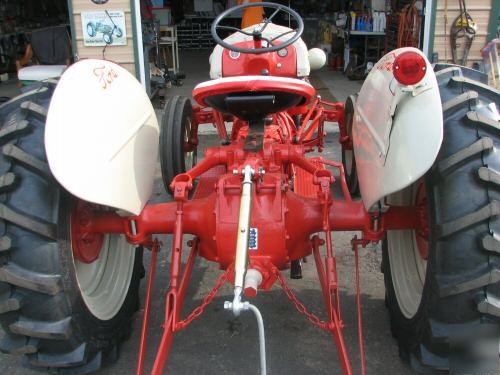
[(409, 27)]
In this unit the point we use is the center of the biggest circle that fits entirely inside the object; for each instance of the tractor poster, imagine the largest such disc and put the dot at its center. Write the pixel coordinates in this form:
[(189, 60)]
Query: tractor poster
[(104, 28)]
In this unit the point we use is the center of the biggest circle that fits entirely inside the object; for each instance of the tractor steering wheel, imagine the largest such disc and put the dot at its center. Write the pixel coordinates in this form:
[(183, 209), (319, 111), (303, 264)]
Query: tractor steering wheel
[(256, 34)]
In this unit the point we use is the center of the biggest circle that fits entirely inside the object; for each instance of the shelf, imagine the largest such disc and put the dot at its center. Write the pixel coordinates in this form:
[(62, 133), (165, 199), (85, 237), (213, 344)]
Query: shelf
[(367, 33)]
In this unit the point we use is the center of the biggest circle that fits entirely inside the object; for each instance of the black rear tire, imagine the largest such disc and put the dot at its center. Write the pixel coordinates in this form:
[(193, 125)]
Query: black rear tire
[(174, 130), (42, 311), (348, 159), (461, 290)]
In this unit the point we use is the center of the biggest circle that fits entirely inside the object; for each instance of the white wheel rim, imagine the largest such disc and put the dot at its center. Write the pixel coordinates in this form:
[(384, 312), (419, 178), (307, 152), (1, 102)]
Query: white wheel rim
[(188, 156), (349, 154), (348, 161), (407, 266), (104, 283)]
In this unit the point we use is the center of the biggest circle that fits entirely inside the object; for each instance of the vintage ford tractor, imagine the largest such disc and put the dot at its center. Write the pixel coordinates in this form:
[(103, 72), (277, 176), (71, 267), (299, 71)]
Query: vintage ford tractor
[(419, 142)]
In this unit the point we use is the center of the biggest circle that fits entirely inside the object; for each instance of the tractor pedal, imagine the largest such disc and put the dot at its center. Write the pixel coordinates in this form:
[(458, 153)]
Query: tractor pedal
[(296, 269)]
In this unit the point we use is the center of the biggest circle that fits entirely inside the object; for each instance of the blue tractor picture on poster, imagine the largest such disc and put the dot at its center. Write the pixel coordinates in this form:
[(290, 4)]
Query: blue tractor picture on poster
[(104, 28), (107, 31)]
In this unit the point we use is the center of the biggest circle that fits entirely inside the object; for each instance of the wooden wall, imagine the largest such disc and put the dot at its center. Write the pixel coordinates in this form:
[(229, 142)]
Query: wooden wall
[(123, 55), (446, 12)]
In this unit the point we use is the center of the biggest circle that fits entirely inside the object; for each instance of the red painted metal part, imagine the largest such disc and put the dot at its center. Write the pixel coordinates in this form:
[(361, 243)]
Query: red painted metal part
[(287, 216), (227, 86), (329, 287), (175, 295), (147, 307), (355, 244), (236, 64), (86, 244)]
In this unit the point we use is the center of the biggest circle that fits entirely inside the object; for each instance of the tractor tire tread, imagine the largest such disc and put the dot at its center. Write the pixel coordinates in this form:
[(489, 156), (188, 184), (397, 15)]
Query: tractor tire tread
[(466, 97), (482, 120), (490, 243), (466, 221), (41, 311), (27, 160), (95, 364), (455, 285), (40, 93), (10, 304), (12, 131), (455, 160), (488, 175), (47, 230), (433, 361), (171, 138), (7, 181), (18, 345), (462, 288), (35, 109), (76, 357), (53, 330), (5, 243), (445, 71), (24, 278)]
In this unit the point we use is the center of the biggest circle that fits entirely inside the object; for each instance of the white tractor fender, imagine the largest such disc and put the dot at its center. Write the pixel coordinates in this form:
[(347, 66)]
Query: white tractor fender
[(397, 130), (102, 136)]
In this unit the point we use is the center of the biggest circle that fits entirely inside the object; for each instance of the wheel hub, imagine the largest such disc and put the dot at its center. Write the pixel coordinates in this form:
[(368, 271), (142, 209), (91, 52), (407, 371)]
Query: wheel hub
[(86, 246), (104, 264)]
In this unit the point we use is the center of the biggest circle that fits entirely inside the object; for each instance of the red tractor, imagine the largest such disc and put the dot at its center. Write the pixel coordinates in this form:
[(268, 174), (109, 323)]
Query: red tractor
[(418, 141)]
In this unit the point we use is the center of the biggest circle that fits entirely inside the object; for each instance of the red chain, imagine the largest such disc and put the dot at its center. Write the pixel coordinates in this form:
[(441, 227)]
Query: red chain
[(314, 319), (196, 313)]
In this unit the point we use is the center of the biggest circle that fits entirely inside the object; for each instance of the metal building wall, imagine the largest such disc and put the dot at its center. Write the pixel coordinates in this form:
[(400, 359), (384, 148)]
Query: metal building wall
[(446, 12), (123, 55)]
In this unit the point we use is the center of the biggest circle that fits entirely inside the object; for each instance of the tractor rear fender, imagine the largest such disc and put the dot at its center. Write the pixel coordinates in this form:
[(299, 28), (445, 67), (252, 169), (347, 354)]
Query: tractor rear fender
[(102, 136), (397, 130)]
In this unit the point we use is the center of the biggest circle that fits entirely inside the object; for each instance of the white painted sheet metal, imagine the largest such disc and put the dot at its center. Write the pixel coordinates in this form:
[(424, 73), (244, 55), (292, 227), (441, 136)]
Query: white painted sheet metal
[(102, 135), (397, 130)]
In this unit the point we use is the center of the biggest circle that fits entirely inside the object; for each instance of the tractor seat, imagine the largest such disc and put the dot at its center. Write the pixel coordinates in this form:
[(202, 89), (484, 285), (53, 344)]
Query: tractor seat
[(252, 98), (40, 72)]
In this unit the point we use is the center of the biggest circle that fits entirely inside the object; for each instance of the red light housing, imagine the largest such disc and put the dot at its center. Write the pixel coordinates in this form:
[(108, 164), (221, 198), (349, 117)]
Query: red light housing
[(409, 68)]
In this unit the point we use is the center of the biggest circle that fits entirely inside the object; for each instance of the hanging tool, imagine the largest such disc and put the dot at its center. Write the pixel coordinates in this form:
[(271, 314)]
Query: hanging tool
[(462, 27)]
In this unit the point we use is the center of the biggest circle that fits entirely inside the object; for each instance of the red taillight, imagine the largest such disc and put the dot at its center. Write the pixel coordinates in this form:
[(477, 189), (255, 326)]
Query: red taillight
[(409, 68)]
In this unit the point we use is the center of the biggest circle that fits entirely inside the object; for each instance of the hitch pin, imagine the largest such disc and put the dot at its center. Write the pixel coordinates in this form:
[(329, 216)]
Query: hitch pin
[(240, 263)]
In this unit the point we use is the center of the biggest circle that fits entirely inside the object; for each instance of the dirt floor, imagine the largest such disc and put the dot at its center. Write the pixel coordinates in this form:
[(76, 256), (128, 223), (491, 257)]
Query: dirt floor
[(217, 343)]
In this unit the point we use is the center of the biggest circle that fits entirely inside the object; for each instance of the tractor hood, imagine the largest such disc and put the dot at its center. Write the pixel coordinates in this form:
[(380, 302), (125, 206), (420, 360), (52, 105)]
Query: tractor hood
[(101, 136)]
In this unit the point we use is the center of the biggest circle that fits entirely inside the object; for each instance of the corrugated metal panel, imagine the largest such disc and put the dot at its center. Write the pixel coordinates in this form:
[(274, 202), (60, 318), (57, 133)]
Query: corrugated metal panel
[(123, 55), (446, 12)]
